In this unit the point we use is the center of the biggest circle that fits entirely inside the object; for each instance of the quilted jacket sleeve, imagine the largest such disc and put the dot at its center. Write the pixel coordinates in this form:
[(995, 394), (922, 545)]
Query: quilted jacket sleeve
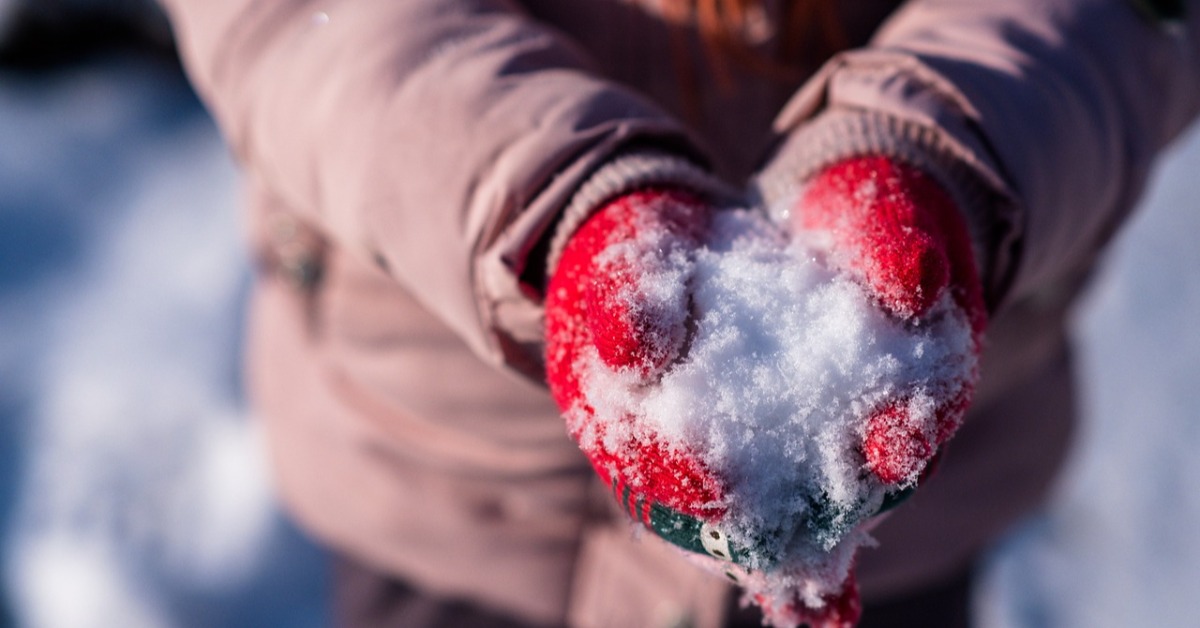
[(439, 138)]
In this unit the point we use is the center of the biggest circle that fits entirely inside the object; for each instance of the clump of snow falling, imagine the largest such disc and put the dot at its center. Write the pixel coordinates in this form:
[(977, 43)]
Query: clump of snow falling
[(786, 359)]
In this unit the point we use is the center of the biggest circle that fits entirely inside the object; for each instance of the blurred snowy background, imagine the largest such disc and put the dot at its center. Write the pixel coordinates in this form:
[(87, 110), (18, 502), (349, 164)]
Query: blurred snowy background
[(133, 490), (1120, 544), (133, 487)]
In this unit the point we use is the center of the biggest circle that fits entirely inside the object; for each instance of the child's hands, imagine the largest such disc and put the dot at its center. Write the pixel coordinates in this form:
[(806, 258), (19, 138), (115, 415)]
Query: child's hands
[(897, 232), (797, 405)]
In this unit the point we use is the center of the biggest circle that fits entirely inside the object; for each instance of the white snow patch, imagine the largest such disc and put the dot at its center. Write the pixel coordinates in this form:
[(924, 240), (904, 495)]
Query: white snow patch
[(787, 359)]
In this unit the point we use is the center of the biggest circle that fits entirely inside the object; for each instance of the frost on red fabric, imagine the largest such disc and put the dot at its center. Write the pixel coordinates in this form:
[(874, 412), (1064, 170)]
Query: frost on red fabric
[(841, 609), (896, 230), (896, 444), (595, 300)]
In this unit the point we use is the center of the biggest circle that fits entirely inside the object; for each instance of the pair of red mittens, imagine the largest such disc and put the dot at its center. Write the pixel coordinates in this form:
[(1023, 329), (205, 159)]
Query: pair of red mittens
[(888, 225)]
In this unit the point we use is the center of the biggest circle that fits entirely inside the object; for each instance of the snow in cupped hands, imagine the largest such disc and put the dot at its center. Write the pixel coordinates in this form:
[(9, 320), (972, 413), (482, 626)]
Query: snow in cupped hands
[(785, 358)]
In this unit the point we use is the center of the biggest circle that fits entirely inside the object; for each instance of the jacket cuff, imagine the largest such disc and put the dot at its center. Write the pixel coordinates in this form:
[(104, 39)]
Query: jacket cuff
[(628, 172), (841, 133)]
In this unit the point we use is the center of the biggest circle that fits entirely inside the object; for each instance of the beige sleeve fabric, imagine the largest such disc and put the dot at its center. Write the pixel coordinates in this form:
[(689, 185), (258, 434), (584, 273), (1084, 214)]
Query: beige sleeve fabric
[(1043, 116), (439, 138)]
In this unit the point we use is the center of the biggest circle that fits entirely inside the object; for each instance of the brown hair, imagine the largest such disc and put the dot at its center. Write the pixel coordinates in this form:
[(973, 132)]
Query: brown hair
[(811, 29)]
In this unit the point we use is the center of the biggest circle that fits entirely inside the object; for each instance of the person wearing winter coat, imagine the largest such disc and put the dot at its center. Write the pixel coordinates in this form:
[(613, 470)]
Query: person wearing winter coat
[(433, 185)]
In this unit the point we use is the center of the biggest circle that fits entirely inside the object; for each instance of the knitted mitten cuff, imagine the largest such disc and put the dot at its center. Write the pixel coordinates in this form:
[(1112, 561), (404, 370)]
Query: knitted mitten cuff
[(626, 173)]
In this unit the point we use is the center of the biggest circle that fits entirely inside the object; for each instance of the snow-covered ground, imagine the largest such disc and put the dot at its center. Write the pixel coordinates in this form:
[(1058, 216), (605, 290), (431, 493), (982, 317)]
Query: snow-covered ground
[(132, 485), (1120, 544), (133, 490)]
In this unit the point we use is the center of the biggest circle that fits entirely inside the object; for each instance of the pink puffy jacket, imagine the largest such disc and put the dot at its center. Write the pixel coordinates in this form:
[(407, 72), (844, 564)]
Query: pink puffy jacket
[(406, 159)]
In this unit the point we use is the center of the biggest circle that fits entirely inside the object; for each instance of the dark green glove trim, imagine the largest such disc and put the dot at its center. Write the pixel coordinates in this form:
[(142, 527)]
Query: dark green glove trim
[(676, 528), (827, 523), (891, 500)]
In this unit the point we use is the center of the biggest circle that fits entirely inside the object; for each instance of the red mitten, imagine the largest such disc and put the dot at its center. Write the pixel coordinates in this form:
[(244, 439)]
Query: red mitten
[(628, 318), (840, 610), (615, 300), (603, 303), (894, 229)]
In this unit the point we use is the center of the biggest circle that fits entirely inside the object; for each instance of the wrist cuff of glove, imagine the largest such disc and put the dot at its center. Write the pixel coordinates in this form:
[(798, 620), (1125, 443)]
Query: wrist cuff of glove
[(839, 134), (629, 172)]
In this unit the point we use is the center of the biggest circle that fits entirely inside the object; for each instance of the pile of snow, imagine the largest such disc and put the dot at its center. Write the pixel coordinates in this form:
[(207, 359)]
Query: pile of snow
[(786, 359)]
